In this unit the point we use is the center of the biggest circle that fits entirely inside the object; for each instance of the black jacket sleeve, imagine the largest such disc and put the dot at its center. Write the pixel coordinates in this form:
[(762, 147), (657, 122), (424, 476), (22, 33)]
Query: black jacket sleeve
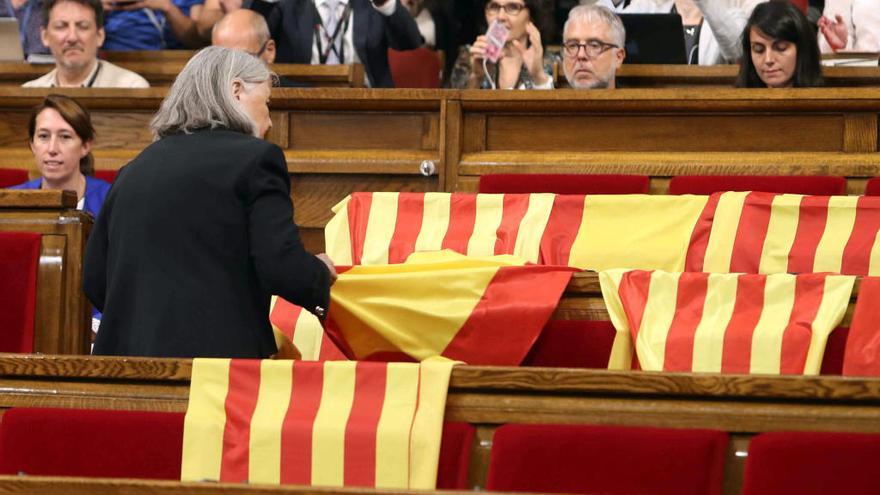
[(95, 259), (401, 29)]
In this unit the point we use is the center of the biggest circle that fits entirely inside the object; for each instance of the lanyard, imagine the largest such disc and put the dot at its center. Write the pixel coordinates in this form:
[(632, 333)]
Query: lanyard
[(87, 84), (158, 23), (341, 28)]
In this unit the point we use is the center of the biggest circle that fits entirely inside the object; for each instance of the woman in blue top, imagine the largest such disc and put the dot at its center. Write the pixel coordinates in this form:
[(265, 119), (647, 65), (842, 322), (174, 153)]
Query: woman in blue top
[(61, 136)]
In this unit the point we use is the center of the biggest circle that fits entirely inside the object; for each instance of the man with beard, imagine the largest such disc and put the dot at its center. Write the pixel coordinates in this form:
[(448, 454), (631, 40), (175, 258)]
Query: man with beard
[(73, 30), (592, 47)]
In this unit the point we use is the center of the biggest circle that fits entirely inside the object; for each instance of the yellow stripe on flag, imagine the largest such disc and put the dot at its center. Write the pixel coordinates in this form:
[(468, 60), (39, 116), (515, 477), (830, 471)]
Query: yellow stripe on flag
[(723, 233), (490, 210), (635, 231), (531, 229), (781, 231), (328, 433), (835, 300), (308, 336), (204, 423), (338, 236), (622, 348), (709, 335), (779, 293), (874, 267), (435, 222), (273, 399), (659, 312), (380, 228), (428, 423), (838, 228), (395, 425)]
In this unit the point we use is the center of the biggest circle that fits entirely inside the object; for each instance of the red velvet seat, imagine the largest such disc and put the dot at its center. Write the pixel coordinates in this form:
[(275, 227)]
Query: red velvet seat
[(573, 344), (419, 68), (872, 188), (808, 184), (607, 459), (12, 176), (106, 175), (19, 261), (564, 184), (810, 463)]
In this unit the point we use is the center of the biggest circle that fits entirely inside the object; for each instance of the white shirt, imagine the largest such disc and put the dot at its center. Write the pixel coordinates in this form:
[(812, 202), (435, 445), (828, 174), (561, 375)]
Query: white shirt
[(862, 20), (103, 75)]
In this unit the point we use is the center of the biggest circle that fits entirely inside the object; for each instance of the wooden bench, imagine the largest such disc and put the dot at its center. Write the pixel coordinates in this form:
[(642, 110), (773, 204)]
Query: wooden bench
[(62, 323), (672, 76)]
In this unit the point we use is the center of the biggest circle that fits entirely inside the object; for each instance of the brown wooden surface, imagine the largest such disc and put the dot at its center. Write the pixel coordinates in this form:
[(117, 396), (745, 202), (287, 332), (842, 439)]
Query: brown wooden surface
[(666, 76)]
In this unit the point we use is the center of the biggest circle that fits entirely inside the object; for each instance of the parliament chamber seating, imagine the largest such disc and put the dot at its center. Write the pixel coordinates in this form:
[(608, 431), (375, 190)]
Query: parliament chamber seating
[(564, 184), (12, 176), (19, 263), (872, 188), (419, 68), (783, 184), (106, 175)]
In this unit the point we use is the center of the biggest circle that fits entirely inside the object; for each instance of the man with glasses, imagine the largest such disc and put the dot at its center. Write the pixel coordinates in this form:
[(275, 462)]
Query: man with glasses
[(592, 47)]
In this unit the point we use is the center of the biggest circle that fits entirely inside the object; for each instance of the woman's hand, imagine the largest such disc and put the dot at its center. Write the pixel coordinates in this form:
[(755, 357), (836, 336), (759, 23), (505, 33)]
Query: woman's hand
[(330, 266), (533, 56), (835, 32), (478, 53)]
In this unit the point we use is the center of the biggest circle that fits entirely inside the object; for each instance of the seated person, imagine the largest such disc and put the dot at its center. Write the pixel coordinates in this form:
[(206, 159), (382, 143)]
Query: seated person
[(781, 49), (522, 64), (855, 26), (73, 30), (152, 24), (247, 31), (592, 47), (28, 13), (716, 41), (214, 10)]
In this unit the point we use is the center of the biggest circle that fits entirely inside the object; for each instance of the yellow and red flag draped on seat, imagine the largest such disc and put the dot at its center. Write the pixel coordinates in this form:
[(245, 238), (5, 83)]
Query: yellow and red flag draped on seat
[(293, 324), (476, 310), (729, 323), (862, 354), (756, 232), (587, 232), (337, 423)]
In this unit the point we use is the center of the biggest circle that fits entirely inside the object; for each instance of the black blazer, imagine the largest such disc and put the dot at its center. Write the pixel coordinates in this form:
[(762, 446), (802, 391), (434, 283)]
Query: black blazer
[(292, 25), (195, 235)]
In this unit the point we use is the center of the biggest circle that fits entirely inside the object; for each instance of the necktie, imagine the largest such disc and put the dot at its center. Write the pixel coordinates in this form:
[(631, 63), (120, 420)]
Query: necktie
[(332, 20)]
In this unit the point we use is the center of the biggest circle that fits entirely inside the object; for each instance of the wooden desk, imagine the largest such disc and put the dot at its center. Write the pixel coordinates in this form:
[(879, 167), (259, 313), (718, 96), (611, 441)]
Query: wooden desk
[(62, 324), (671, 76)]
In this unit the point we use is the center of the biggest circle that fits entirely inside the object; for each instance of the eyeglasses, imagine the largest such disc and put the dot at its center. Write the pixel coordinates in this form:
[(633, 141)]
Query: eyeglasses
[(262, 49), (495, 8), (593, 48)]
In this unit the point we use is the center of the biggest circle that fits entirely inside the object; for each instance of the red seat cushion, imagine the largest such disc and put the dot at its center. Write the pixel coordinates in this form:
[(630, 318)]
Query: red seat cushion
[(564, 184), (606, 459), (84, 442), (19, 261), (573, 344), (419, 68), (872, 188), (810, 463), (12, 176), (708, 184), (455, 456), (106, 175)]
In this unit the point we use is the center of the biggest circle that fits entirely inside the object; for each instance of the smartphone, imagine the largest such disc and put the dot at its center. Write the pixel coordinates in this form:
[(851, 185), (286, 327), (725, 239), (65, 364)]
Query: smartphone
[(497, 38)]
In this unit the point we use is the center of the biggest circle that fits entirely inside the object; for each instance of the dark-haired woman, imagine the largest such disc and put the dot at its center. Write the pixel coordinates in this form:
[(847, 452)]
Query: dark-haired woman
[(61, 136), (779, 49)]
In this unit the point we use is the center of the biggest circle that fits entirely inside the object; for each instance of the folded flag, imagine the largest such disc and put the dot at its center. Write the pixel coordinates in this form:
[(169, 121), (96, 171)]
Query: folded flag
[(587, 232), (862, 354), (729, 323), (294, 326), (336, 423), (756, 232), (476, 310)]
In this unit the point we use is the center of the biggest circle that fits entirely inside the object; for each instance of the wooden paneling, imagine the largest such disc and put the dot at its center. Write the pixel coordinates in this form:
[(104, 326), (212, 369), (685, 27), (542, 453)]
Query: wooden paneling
[(668, 76), (121, 130), (367, 130)]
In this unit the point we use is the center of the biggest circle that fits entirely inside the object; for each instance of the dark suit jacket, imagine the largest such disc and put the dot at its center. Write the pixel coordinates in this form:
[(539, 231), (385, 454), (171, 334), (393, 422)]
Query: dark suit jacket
[(292, 26), (195, 235)]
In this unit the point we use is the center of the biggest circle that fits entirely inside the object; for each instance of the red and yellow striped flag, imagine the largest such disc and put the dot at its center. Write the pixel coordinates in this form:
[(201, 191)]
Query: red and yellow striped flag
[(756, 232), (862, 354), (295, 326), (337, 423), (729, 323), (587, 232), (476, 310)]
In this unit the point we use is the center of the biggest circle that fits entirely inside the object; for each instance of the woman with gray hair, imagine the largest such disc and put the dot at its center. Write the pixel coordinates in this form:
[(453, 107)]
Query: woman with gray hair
[(197, 232)]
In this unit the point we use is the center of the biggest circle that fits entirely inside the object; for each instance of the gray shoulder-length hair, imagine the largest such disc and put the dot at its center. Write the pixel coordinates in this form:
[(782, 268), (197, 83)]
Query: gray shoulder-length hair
[(201, 95)]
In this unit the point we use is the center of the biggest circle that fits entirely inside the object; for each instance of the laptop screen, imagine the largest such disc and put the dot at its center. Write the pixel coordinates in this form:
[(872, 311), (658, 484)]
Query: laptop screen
[(654, 39), (10, 40)]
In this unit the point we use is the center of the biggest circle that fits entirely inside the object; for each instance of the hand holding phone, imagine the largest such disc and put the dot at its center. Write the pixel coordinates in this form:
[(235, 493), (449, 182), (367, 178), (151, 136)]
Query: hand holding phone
[(496, 38)]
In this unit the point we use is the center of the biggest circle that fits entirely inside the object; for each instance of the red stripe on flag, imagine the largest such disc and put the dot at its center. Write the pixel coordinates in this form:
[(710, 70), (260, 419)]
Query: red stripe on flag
[(284, 316), (736, 356), (358, 218), (329, 351), (811, 224), (241, 400), (514, 209), (296, 431), (857, 254), (462, 216), (410, 213), (696, 253), (633, 293), (862, 355), (503, 325), (808, 292), (363, 421), (562, 229), (751, 233), (691, 296)]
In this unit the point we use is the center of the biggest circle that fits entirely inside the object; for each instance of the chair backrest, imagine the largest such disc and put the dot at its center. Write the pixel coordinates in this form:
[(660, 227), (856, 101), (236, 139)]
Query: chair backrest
[(19, 262), (808, 184), (455, 456), (606, 459), (106, 175), (809, 463), (573, 344), (564, 184), (419, 68), (801, 4), (872, 188), (12, 176)]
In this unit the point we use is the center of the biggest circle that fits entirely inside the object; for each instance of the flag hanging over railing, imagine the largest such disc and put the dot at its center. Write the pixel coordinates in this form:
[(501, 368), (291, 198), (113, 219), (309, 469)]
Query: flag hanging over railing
[(862, 354), (729, 323), (336, 423), (293, 325)]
